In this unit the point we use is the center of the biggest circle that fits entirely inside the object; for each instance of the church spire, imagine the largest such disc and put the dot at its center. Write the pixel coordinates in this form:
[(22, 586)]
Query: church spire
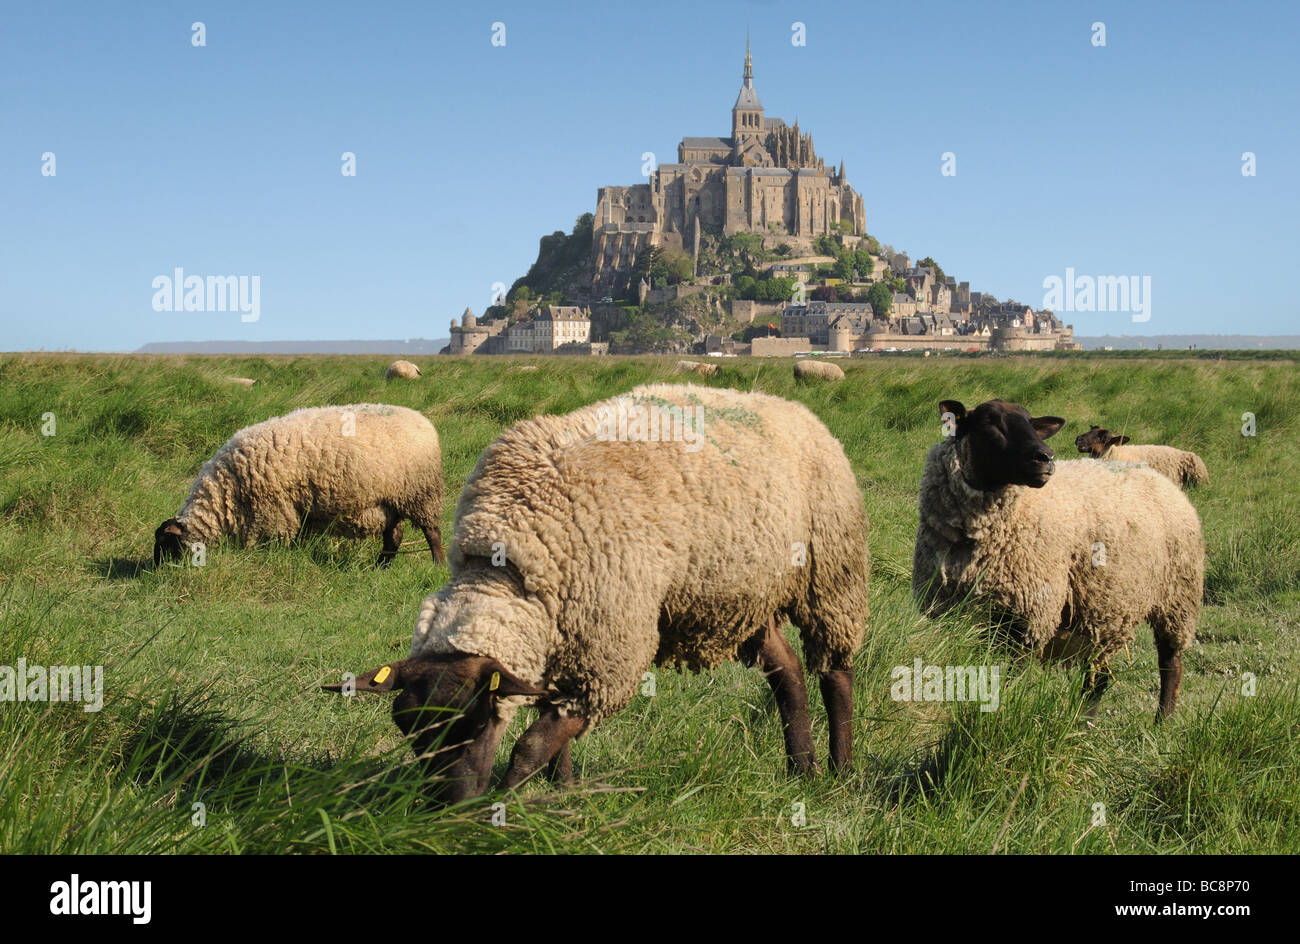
[(749, 64)]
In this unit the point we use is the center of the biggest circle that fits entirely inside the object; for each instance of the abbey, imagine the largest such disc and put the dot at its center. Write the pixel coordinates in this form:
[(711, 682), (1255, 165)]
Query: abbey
[(766, 179)]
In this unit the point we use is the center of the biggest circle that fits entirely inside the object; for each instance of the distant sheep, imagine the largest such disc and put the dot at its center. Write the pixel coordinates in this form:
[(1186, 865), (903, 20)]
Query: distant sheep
[(404, 369), (1076, 554), (695, 367), (817, 370), (245, 382), (359, 470), (675, 524), (1179, 466)]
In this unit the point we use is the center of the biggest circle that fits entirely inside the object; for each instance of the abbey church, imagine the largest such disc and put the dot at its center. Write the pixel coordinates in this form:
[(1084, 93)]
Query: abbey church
[(765, 179)]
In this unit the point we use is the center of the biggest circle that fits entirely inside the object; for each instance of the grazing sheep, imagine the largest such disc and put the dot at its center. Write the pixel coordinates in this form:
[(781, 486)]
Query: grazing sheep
[(404, 369), (675, 524), (358, 469), (695, 367), (245, 382), (1180, 467), (817, 370), (1076, 553)]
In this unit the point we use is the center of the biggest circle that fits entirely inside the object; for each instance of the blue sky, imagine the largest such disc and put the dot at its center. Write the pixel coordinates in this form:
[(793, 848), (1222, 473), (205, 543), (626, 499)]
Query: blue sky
[(225, 160)]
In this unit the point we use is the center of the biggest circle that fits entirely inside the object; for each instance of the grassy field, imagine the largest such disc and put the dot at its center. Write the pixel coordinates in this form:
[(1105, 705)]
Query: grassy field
[(211, 673)]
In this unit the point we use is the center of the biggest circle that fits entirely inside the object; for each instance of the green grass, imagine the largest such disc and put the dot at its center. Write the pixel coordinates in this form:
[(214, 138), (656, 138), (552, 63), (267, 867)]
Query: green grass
[(211, 673)]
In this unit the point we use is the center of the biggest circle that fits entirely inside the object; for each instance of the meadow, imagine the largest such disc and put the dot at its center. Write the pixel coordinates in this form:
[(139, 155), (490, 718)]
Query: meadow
[(215, 737)]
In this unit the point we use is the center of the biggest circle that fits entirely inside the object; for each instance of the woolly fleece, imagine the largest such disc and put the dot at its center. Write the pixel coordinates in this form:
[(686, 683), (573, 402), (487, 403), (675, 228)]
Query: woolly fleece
[(403, 369), (818, 370), (1032, 552), (270, 476), (1179, 466), (624, 554)]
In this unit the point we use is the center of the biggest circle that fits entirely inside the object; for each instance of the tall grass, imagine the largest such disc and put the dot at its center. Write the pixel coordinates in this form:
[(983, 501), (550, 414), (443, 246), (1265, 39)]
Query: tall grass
[(212, 673)]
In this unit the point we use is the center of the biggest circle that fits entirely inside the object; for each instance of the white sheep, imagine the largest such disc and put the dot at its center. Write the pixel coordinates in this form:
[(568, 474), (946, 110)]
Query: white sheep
[(403, 369), (358, 470), (1179, 466), (817, 370), (675, 524), (1076, 554), (695, 367)]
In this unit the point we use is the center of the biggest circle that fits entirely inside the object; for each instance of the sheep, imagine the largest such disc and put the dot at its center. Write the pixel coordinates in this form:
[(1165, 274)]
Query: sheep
[(817, 370), (673, 525), (1180, 467), (1076, 554), (695, 367), (360, 469), (403, 369), (245, 382)]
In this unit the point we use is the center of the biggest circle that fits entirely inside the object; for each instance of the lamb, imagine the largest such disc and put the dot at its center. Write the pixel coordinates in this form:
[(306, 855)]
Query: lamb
[(675, 524), (403, 369), (1075, 554), (817, 370), (1180, 467), (359, 469)]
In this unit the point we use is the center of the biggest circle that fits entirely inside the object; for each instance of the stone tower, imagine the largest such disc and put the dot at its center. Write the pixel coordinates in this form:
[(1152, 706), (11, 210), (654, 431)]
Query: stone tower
[(747, 113)]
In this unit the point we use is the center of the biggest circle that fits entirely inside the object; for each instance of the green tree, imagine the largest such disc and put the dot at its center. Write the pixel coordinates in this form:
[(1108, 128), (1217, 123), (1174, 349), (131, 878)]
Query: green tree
[(929, 263), (671, 267), (863, 262), (844, 267), (881, 300)]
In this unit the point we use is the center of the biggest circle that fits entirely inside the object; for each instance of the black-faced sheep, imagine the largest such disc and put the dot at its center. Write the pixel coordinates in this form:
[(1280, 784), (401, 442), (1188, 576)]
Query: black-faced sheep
[(675, 524), (1076, 554), (359, 470), (1179, 466)]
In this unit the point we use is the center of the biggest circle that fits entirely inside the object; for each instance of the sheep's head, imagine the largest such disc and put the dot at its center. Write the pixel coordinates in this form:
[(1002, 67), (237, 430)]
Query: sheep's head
[(999, 444), (447, 704), (1097, 440), (168, 541)]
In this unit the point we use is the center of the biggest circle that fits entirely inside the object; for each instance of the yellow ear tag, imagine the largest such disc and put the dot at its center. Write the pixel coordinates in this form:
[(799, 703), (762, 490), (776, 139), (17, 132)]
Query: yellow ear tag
[(495, 683), (382, 674)]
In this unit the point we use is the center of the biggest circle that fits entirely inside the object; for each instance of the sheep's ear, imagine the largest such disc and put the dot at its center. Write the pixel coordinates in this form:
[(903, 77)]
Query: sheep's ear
[(386, 678), (170, 526), (954, 407), (1116, 440), (500, 681), (1047, 426)]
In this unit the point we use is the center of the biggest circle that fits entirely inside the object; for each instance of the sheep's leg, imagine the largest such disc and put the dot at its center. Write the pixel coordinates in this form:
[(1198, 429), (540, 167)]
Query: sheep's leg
[(1094, 686), (560, 769), (1171, 676), (837, 695), (542, 741), (483, 751), (433, 534), (392, 541), (784, 673)]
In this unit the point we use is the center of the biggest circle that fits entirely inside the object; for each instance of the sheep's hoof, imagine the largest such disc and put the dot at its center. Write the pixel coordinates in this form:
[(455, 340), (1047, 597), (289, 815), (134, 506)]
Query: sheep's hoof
[(804, 768)]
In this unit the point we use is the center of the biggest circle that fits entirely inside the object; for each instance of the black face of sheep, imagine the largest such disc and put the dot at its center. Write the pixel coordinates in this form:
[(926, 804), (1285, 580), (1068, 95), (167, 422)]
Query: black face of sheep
[(1001, 444), (1097, 440), (447, 705), (168, 541)]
